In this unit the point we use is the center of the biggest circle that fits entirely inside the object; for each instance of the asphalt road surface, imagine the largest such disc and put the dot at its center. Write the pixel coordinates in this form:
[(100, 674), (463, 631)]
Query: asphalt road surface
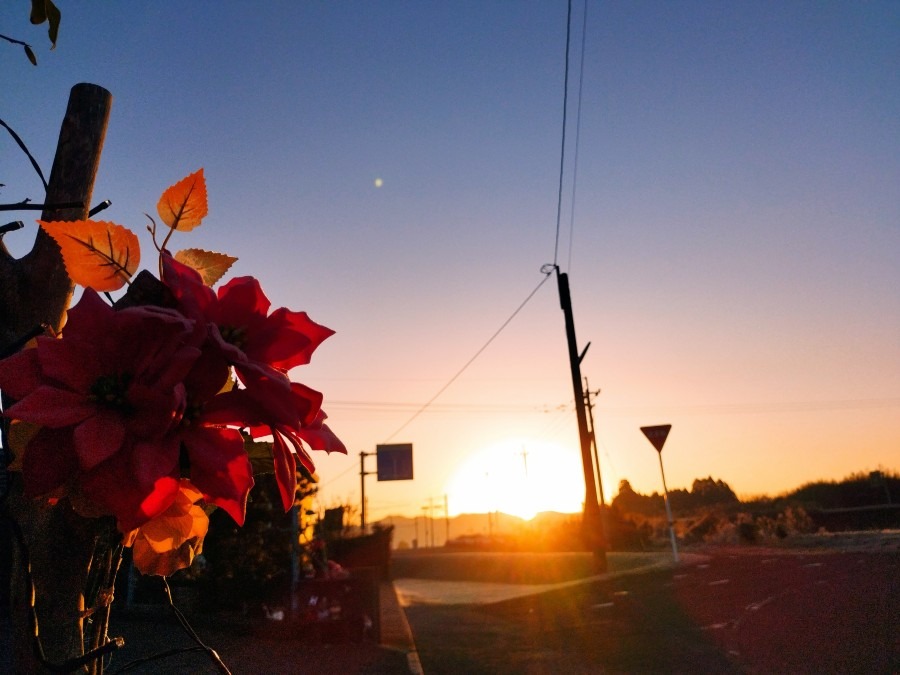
[(743, 611)]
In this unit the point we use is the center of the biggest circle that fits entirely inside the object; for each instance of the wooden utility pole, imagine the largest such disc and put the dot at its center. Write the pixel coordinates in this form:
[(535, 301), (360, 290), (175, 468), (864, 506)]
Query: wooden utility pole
[(35, 291), (592, 525), (590, 411)]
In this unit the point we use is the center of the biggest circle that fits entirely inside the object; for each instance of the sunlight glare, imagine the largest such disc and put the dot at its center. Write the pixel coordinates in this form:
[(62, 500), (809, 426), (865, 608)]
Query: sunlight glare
[(548, 477)]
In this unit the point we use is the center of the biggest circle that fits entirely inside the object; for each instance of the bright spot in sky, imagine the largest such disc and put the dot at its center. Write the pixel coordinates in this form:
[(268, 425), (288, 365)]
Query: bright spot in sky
[(521, 477), (378, 182)]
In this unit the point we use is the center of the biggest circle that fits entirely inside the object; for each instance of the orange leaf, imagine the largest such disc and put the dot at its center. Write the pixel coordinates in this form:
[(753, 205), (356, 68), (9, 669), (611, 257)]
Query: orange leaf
[(183, 205), (97, 254), (211, 265), (170, 541)]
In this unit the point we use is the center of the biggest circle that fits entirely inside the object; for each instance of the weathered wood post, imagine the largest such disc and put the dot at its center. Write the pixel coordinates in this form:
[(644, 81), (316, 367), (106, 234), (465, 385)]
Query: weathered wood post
[(36, 290)]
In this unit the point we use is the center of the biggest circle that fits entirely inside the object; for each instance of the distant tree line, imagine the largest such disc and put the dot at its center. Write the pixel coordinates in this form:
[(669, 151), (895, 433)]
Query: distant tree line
[(704, 493), (875, 488), (863, 489)]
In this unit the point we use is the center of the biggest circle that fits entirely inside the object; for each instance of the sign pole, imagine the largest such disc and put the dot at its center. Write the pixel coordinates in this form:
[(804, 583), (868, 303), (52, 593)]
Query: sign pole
[(657, 436), (394, 462), (668, 510)]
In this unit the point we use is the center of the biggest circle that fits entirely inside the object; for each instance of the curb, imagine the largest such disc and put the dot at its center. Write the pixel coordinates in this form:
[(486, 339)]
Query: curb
[(395, 631)]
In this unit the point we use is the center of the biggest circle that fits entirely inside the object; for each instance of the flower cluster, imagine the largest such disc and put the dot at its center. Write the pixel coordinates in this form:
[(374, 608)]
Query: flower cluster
[(140, 410)]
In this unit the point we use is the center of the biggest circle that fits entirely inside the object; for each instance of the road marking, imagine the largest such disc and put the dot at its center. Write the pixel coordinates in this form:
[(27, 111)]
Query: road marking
[(757, 605)]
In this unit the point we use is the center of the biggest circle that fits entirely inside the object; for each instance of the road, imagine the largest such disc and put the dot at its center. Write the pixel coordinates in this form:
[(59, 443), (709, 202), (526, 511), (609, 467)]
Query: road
[(738, 611)]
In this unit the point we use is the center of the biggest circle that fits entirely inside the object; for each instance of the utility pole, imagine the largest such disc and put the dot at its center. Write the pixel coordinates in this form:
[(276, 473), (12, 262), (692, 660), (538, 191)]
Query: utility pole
[(592, 525), (446, 521), (431, 516), (425, 526), (590, 410), (362, 488), (429, 522)]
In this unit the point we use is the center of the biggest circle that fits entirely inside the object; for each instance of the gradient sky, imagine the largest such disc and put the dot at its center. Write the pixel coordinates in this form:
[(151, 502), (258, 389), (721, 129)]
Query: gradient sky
[(732, 243)]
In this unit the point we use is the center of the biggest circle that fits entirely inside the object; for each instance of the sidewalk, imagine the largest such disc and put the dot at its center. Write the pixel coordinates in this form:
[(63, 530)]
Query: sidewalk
[(395, 631)]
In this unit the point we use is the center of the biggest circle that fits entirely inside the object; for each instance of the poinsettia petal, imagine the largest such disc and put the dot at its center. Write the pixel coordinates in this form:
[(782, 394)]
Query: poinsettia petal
[(187, 285), (154, 410), (232, 408), (52, 407), (98, 438), (285, 471), (301, 452), (152, 460), (321, 437), (242, 304), (49, 461), (220, 468), (74, 364), (207, 376), (286, 339), (270, 389), (20, 374), (112, 485), (89, 316), (307, 402)]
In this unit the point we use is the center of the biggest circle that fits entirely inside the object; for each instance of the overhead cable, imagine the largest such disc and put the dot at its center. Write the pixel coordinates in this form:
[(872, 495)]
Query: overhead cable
[(469, 362), (562, 151)]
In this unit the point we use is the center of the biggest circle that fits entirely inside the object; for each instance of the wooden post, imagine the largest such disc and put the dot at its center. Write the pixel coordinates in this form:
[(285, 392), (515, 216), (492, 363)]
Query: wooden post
[(36, 290)]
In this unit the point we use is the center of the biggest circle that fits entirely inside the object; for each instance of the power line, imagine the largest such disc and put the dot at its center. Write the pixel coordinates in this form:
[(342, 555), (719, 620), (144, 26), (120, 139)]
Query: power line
[(562, 150), (393, 407), (470, 361), (343, 473), (577, 136), (771, 407)]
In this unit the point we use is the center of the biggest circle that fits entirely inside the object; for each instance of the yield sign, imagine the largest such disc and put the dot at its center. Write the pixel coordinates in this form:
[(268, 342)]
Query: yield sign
[(657, 435)]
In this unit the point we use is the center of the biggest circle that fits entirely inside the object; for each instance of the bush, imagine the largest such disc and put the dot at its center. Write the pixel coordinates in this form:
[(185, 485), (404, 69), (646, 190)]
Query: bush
[(748, 531)]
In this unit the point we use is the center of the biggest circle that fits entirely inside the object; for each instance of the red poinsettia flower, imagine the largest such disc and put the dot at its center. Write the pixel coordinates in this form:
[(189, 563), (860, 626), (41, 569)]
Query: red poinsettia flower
[(218, 464), (244, 329), (308, 425), (137, 484), (261, 346), (112, 389)]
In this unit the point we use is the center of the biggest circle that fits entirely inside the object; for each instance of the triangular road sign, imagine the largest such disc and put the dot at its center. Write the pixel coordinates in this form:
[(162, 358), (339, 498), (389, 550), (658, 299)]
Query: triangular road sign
[(657, 435)]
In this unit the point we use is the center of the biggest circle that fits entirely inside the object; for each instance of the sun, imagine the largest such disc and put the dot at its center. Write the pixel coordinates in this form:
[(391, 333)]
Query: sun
[(518, 476)]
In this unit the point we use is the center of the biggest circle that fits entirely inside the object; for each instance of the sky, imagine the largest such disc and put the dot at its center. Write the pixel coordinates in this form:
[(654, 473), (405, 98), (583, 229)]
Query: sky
[(728, 216)]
